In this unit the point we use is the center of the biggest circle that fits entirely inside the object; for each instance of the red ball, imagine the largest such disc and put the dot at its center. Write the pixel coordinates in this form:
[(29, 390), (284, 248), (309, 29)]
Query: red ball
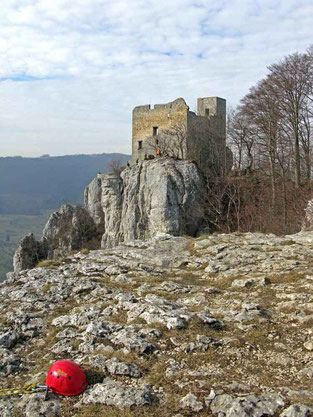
[(66, 378)]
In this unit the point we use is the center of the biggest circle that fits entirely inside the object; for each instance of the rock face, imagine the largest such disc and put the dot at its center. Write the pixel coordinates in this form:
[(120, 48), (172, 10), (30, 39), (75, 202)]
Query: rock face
[(29, 253), (158, 196), (70, 228), (152, 197), (215, 326)]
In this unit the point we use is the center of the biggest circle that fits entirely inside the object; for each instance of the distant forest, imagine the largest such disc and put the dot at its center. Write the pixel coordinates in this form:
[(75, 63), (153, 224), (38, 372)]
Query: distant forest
[(30, 185)]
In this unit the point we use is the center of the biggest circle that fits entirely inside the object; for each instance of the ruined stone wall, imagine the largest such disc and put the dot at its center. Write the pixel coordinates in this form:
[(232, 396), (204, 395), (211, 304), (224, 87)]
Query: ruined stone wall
[(162, 116), (205, 132), (204, 145), (206, 139), (198, 137), (214, 109)]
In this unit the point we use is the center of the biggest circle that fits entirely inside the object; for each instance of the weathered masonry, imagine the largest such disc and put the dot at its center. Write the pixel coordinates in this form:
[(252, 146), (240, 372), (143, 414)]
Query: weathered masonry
[(195, 134)]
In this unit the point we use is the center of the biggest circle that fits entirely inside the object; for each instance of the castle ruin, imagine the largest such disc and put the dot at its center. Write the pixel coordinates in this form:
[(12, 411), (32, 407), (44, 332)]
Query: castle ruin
[(172, 129)]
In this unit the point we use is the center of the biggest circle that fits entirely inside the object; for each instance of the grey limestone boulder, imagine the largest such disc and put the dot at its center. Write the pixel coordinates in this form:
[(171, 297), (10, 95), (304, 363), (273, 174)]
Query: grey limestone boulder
[(297, 410), (255, 405), (149, 198), (29, 253), (191, 401), (9, 362), (116, 394), (8, 339), (251, 282), (70, 228), (116, 367), (35, 406), (6, 408)]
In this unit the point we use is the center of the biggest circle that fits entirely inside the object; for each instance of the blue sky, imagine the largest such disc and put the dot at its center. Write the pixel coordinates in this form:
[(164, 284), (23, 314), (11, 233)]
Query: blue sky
[(71, 71)]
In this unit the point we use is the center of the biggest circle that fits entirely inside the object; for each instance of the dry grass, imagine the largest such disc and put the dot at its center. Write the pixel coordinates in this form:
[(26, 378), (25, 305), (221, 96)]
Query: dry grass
[(138, 320), (49, 264), (168, 410), (120, 318), (46, 288), (288, 242), (85, 251), (292, 277), (156, 375)]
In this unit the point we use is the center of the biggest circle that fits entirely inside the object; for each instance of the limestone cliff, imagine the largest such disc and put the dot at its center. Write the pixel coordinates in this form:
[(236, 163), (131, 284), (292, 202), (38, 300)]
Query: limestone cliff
[(158, 196)]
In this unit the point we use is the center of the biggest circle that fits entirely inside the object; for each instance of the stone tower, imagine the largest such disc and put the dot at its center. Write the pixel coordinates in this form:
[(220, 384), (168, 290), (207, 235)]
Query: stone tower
[(201, 129), (214, 108)]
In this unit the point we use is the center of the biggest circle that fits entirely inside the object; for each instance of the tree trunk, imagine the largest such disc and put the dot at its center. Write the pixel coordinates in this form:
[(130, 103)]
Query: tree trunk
[(308, 165), (297, 160), (284, 199), (273, 185)]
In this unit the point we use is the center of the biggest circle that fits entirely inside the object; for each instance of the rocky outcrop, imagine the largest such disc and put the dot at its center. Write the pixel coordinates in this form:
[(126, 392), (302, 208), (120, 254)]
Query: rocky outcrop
[(152, 197), (158, 196), (218, 325), (104, 202), (29, 253), (69, 229)]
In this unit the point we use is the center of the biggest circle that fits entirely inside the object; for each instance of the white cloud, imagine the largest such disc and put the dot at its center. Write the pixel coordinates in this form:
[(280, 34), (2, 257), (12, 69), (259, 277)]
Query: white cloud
[(99, 58)]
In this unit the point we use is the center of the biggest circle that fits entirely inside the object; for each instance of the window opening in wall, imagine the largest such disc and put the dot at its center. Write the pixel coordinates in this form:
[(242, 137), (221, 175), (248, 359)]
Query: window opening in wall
[(207, 112), (157, 141), (155, 130), (139, 144)]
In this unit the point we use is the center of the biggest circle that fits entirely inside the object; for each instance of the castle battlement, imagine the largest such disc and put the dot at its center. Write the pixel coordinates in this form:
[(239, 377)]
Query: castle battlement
[(152, 123)]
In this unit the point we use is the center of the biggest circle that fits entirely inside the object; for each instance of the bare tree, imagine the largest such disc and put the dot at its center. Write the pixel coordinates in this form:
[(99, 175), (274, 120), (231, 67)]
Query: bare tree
[(171, 142), (116, 165), (292, 82), (306, 139), (261, 111), (241, 140)]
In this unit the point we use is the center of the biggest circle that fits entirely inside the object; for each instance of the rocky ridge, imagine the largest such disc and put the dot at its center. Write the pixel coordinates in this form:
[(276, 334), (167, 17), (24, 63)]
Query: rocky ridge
[(151, 197), (215, 326)]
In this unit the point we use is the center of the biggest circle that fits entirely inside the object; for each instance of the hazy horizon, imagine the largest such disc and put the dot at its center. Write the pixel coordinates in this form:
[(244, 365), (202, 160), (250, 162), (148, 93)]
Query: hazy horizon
[(62, 155)]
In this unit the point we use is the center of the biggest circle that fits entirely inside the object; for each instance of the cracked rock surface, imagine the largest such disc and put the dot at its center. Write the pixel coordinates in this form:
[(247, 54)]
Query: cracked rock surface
[(215, 326)]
